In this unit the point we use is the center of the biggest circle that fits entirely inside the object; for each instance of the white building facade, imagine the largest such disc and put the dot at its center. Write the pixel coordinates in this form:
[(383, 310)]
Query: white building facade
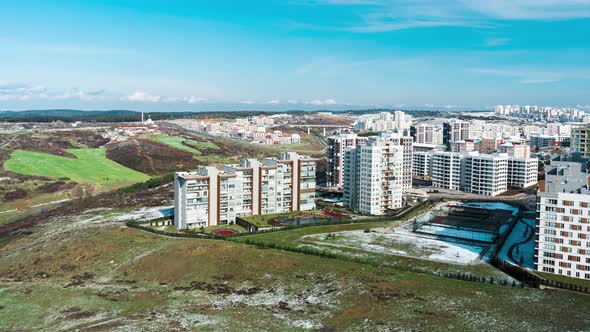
[(562, 245), (373, 176), (210, 197)]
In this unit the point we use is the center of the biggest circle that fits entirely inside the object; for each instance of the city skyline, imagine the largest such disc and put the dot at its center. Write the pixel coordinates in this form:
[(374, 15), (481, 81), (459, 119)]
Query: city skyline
[(298, 54)]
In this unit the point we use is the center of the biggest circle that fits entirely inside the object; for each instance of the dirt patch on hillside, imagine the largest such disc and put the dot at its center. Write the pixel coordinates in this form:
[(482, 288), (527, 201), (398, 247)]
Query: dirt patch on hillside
[(157, 196), (150, 157), (52, 187), (15, 194)]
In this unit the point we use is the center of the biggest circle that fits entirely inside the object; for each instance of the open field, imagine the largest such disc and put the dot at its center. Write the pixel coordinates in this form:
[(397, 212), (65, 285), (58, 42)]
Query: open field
[(415, 254), (179, 142), (89, 166), (86, 272)]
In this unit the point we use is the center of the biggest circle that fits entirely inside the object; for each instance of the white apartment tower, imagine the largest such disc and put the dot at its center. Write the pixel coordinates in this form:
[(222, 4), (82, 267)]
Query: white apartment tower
[(338, 144), (422, 164), (209, 197), (562, 244), (428, 134), (335, 156), (446, 170), (485, 174), (373, 176)]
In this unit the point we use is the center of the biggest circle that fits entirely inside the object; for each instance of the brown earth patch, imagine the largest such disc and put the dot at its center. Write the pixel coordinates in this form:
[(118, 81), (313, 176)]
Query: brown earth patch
[(15, 194), (150, 157), (52, 187)]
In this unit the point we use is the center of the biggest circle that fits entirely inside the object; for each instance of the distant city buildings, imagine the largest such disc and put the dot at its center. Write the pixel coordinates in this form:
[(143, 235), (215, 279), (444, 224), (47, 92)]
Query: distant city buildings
[(562, 244), (541, 113), (210, 197), (384, 122)]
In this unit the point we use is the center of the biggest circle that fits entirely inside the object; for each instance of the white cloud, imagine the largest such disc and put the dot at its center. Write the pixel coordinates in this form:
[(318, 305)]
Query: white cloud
[(538, 81), (375, 16), (188, 100), (530, 76), (320, 102), (292, 101), (530, 9), (491, 42), (274, 102), (247, 102), (142, 96)]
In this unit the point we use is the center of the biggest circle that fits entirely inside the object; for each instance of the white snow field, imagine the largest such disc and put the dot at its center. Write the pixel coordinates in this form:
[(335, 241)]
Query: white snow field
[(401, 241)]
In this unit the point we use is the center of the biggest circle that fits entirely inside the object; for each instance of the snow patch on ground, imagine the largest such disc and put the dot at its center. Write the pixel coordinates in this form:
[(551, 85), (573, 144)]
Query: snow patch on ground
[(146, 213), (392, 243)]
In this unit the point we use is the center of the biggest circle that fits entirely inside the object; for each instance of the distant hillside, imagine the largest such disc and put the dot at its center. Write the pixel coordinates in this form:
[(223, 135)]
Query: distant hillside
[(117, 115), (68, 115)]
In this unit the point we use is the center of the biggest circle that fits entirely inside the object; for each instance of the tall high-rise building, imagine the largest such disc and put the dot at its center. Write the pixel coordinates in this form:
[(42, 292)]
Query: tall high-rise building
[(210, 197), (335, 156), (428, 134), (581, 139), (455, 130), (337, 145), (562, 244), (373, 176)]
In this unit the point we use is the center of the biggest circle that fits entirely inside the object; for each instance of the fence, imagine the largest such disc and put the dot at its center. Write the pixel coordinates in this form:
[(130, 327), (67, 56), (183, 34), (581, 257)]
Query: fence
[(533, 279)]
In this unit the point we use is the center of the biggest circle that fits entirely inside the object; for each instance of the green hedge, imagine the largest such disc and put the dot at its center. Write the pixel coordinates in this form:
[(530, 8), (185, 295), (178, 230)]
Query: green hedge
[(151, 183)]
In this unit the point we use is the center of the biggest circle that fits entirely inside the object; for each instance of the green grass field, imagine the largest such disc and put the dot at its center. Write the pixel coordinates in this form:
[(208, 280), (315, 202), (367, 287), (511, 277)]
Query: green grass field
[(176, 142), (91, 166)]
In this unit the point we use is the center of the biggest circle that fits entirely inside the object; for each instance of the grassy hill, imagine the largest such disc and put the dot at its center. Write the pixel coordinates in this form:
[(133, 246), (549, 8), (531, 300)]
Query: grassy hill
[(85, 272), (89, 166)]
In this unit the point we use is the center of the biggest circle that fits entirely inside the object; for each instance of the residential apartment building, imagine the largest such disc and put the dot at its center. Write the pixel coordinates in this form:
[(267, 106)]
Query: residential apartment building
[(337, 145), (581, 140), (463, 146), (455, 130), (484, 174), (446, 170), (514, 149), (422, 165), (522, 172), (428, 134), (210, 197), (562, 243), (373, 176), (335, 156)]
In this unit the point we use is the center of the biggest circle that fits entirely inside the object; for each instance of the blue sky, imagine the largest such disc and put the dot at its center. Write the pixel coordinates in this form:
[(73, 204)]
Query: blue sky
[(293, 54)]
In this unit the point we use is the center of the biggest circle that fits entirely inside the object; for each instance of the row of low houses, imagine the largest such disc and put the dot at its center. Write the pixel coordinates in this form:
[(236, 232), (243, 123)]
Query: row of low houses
[(210, 197)]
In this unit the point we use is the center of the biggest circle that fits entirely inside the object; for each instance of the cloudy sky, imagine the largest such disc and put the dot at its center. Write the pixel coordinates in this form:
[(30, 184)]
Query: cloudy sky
[(293, 54)]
